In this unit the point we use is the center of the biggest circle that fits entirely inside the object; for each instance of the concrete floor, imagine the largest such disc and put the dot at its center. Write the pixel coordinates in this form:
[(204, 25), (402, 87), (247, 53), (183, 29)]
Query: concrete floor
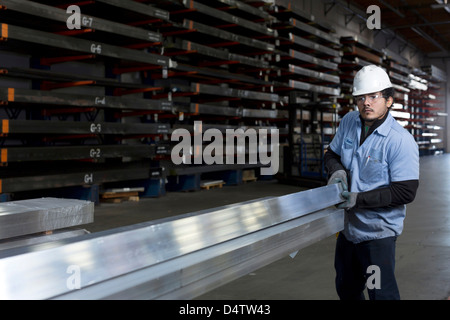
[(423, 250)]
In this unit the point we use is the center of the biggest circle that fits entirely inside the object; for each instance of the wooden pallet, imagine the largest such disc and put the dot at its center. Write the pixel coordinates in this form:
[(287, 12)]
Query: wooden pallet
[(248, 176), (249, 179), (118, 196), (212, 184)]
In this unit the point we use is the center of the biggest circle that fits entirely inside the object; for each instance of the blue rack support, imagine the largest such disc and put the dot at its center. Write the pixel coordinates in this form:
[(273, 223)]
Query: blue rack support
[(4, 197), (229, 177), (232, 177), (188, 182), (154, 188), (85, 192)]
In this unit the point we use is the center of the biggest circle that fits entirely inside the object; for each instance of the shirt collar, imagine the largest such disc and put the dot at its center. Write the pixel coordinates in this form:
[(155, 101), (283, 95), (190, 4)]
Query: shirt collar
[(382, 126)]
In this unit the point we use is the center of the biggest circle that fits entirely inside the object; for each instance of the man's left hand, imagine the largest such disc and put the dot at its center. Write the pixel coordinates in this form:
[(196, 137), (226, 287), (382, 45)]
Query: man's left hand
[(350, 200)]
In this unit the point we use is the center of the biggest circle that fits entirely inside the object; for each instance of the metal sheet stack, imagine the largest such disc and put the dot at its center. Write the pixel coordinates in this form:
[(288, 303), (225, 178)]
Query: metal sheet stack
[(33, 216)]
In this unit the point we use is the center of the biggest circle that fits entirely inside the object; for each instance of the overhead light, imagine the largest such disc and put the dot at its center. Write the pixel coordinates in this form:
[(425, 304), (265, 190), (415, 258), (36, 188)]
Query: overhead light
[(440, 5)]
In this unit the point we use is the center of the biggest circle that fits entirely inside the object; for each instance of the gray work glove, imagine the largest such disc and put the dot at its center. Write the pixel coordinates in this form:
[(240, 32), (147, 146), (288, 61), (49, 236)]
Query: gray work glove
[(350, 200), (339, 176)]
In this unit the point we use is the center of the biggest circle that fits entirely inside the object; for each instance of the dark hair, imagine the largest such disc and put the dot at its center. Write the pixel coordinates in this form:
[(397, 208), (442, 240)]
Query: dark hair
[(388, 92)]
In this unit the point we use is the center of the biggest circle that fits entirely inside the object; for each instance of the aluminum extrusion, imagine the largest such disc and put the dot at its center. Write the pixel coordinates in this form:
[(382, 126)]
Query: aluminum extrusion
[(224, 238)]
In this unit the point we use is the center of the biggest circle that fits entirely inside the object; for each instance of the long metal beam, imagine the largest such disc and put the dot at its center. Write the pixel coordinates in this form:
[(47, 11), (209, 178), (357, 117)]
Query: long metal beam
[(56, 14), (140, 8), (189, 276), (80, 127), (231, 92), (311, 45), (81, 45), (93, 152), (47, 75), (312, 59), (237, 112), (228, 36), (218, 53), (83, 176), (179, 257), (235, 4), (220, 15), (82, 100), (314, 31), (314, 74)]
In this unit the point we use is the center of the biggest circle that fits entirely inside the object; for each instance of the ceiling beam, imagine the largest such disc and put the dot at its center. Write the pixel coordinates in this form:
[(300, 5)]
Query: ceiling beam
[(418, 25), (441, 4), (363, 16), (386, 4), (426, 35)]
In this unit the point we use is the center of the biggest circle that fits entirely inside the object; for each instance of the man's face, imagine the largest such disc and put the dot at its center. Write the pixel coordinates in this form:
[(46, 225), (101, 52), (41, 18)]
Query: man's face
[(372, 106)]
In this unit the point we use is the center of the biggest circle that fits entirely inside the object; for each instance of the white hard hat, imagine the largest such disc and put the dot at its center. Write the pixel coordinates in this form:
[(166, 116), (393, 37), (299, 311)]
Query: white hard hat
[(370, 79)]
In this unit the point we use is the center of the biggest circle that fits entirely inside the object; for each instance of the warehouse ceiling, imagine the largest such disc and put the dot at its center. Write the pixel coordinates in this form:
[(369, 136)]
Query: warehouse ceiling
[(423, 23)]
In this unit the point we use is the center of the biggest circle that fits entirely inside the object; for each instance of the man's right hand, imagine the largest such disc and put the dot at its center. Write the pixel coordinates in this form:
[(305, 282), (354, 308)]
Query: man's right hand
[(339, 176)]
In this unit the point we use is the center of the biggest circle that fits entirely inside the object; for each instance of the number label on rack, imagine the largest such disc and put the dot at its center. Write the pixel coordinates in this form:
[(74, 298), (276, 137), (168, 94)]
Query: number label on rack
[(96, 127), (87, 21), (88, 178), (95, 153), (99, 100), (96, 48)]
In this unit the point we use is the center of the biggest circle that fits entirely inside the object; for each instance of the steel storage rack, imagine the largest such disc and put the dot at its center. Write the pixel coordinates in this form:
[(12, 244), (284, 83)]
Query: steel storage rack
[(400, 75), (428, 116), (357, 53), (109, 93), (64, 102), (223, 60), (308, 52), (307, 60), (165, 62), (410, 107), (311, 126)]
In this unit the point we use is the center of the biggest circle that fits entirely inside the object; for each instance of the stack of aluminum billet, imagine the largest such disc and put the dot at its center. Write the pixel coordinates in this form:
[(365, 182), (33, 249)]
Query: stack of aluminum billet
[(30, 217)]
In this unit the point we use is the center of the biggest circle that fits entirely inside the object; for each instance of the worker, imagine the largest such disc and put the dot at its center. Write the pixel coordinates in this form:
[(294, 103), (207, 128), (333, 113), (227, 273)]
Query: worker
[(376, 161)]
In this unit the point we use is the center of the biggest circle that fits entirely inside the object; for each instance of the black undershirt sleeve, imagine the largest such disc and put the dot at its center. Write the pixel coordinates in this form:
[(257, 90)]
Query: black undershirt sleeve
[(398, 193), (332, 162)]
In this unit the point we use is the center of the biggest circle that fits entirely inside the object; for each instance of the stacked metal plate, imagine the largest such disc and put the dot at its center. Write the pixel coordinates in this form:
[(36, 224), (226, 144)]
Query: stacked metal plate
[(25, 217), (435, 73)]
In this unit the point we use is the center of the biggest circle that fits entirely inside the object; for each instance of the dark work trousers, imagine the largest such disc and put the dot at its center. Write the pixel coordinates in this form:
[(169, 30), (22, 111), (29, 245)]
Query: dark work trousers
[(352, 274)]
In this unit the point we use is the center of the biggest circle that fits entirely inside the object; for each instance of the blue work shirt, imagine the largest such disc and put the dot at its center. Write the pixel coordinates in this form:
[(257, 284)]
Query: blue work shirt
[(389, 154)]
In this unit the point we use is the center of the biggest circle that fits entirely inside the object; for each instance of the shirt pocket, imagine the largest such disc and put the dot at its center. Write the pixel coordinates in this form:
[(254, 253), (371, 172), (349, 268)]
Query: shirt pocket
[(372, 166)]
